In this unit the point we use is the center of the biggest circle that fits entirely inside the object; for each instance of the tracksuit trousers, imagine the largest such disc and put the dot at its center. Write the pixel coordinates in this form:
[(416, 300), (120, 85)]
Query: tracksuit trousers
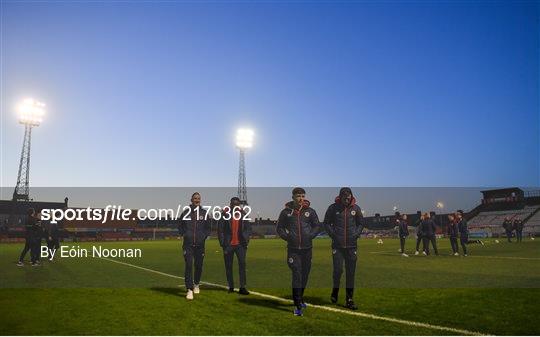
[(431, 239), (299, 261), (418, 240), (464, 240), (345, 256), (402, 244), (27, 247), (193, 257), (519, 236), (454, 244), (509, 236), (228, 255)]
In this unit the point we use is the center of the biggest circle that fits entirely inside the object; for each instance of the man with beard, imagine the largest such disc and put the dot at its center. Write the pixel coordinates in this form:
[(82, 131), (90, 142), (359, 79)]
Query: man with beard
[(195, 228), (233, 235)]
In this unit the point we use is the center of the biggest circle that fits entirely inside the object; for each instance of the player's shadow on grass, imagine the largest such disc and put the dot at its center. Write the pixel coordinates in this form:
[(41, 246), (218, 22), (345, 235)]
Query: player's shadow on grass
[(316, 300), (267, 303), (181, 291)]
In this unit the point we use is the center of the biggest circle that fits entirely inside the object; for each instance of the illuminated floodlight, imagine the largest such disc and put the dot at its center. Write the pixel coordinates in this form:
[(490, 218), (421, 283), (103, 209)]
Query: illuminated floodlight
[(244, 138), (440, 205), (31, 112)]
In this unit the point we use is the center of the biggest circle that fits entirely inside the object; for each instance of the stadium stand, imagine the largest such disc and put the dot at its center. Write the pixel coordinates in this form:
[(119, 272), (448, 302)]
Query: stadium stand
[(497, 205)]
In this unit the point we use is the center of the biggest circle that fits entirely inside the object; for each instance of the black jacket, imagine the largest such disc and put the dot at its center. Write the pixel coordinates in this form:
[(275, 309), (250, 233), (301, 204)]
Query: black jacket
[(194, 230), (418, 229), (343, 224), (428, 228), (32, 229), (518, 225), (225, 231), (403, 228), (298, 226), (463, 228), (452, 230), (507, 225)]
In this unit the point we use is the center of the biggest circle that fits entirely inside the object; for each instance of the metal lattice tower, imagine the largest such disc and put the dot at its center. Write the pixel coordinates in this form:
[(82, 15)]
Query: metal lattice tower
[(30, 115), (22, 189), (242, 190)]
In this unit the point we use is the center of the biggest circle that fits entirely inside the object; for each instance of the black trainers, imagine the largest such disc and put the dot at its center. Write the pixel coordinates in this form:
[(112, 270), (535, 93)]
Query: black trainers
[(350, 305), (243, 291), (231, 290), (334, 296)]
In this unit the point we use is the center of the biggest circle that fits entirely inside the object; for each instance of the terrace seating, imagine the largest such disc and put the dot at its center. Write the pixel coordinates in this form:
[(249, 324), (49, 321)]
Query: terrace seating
[(491, 222)]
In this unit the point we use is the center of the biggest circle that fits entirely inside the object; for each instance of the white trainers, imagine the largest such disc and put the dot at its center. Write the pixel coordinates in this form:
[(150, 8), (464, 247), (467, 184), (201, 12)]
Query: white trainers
[(424, 253), (404, 255), (189, 294), (416, 253), (196, 289), (456, 254), (399, 251)]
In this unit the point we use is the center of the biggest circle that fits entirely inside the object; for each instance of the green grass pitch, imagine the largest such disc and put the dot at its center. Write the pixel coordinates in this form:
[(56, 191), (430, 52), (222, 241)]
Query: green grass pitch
[(493, 291)]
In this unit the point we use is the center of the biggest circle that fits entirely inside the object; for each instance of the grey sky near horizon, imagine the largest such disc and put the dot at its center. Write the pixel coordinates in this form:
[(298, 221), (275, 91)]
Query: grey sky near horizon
[(266, 202)]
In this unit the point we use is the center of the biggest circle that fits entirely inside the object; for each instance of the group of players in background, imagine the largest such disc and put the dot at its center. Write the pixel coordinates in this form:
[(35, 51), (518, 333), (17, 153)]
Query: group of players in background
[(513, 226), (425, 233), (298, 224), (35, 232)]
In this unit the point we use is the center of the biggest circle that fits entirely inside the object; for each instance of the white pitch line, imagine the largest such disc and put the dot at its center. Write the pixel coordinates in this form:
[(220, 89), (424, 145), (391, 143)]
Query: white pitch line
[(322, 307), (389, 253)]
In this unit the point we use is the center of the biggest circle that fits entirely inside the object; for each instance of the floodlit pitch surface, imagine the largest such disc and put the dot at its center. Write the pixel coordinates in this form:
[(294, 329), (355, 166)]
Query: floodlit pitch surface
[(493, 291)]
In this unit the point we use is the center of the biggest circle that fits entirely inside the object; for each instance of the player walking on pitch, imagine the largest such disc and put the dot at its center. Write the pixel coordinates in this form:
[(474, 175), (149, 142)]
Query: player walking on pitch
[(233, 235), (298, 224), (195, 228), (28, 236), (343, 223)]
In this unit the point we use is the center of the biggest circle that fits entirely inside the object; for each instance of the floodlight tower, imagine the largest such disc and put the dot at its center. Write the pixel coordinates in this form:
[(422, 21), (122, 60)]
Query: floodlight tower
[(30, 115), (244, 140)]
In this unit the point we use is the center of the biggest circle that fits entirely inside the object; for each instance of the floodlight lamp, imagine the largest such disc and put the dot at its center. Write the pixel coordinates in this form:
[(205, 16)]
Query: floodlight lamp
[(244, 138), (31, 112)]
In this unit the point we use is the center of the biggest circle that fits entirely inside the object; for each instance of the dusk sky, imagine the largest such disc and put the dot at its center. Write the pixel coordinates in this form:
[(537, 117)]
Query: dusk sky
[(358, 94)]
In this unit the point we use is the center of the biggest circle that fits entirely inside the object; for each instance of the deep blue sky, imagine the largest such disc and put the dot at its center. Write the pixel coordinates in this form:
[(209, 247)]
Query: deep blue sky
[(361, 94)]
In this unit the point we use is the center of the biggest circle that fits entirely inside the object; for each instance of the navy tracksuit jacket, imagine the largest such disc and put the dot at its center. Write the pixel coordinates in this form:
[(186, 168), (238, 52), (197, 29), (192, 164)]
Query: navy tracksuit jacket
[(344, 225), (195, 227), (298, 225)]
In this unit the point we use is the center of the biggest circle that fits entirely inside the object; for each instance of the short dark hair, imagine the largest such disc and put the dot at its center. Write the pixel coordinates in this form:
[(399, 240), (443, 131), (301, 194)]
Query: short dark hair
[(235, 199), (298, 190), (194, 194)]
